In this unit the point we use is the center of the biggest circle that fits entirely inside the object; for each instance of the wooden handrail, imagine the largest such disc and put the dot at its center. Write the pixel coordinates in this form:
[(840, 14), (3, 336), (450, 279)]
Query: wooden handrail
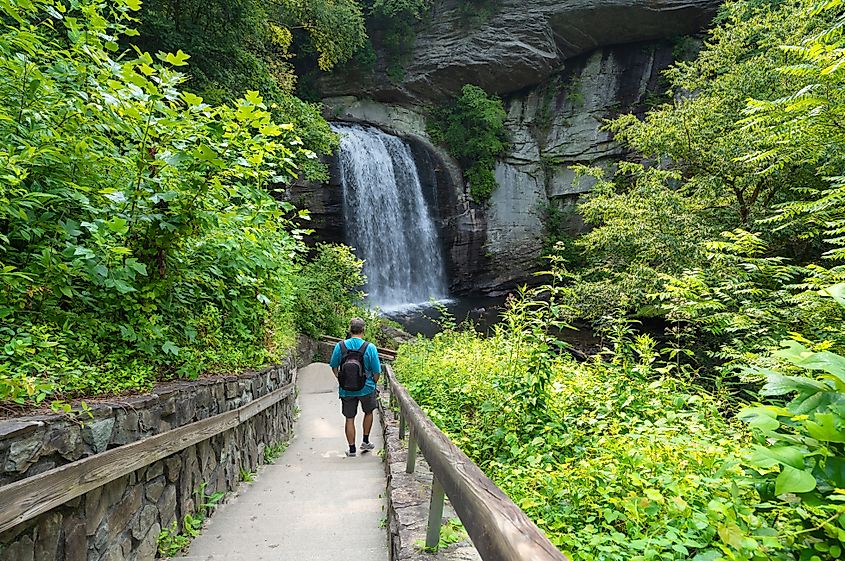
[(498, 528), (27, 498), (384, 354)]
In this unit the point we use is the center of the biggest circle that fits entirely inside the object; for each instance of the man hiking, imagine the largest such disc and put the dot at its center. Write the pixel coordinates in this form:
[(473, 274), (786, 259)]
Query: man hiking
[(356, 366)]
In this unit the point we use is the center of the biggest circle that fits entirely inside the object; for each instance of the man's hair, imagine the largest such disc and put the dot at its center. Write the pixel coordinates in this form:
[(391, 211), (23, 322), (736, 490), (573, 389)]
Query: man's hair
[(356, 326)]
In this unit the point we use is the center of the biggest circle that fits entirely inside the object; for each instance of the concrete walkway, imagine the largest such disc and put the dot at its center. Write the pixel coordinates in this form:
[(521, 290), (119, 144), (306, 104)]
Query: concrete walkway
[(314, 503)]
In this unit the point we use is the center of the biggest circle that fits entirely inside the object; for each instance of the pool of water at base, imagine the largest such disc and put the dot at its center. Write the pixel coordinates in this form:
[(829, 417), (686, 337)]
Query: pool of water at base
[(481, 311)]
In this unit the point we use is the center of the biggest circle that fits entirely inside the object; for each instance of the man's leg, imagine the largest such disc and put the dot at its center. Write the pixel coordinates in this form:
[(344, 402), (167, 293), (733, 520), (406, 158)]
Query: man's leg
[(350, 429), (349, 407), (368, 404)]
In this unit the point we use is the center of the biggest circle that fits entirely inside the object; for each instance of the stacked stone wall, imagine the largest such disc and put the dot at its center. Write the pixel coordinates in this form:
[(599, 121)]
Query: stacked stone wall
[(121, 520)]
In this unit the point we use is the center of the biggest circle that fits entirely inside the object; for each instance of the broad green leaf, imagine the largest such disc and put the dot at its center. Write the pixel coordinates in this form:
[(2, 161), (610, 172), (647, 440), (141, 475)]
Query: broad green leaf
[(823, 427), (793, 480), (762, 418), (766, 457), (777, 384), (801, 356), (191, 99), (837, 291), (177, 59)]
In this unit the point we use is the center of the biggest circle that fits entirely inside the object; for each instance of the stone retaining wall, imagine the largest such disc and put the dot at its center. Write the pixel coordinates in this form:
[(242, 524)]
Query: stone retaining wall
[(408, 497), (121, 520)]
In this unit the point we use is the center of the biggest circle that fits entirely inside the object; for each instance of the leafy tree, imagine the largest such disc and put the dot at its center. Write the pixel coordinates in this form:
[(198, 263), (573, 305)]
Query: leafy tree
[(805, 126), (252, 45), (705, 163), (138, 237)]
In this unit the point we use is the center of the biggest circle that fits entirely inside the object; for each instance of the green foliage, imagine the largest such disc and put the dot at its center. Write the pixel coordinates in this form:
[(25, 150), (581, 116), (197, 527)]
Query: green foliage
[(800, 450), (171, 541), (614, 459), (236, 48), (336, 27), (392, 26), (416, 9), (451, 532), (272, 452), (246, 476), (473, 130), (475, 13), (138, 238), (717, 163), (748, 301), (331, 283), (803, 126)]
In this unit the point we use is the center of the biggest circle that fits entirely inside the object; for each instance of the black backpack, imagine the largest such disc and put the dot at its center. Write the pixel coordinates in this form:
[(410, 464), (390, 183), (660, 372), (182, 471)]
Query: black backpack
[(352, 376)]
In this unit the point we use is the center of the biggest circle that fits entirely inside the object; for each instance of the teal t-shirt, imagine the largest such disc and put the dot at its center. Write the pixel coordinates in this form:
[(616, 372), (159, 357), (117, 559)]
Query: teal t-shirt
[(372, 366)]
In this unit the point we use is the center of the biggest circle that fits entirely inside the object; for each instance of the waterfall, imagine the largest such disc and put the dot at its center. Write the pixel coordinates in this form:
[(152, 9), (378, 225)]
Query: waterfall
[(387, 219)]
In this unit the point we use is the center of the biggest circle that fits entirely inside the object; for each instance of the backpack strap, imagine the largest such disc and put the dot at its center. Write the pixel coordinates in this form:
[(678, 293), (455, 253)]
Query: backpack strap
[(343, 349), (363, 350)]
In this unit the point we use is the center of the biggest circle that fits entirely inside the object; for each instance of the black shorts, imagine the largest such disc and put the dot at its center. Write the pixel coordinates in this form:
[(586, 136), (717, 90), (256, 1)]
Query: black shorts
[(349, 405)]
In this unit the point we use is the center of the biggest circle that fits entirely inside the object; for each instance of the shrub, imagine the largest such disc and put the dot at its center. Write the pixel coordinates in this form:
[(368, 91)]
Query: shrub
[(473, 130), (138, 236), (613, 460)]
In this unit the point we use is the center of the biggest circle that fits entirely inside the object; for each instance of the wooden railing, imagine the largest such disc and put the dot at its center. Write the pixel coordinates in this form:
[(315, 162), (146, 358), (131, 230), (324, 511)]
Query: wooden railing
[(384, 354), (27, 498), (499, 529)]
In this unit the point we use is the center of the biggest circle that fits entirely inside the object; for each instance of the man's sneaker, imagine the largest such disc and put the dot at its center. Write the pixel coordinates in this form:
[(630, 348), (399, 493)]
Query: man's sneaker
[(351, 454), (367, 446)]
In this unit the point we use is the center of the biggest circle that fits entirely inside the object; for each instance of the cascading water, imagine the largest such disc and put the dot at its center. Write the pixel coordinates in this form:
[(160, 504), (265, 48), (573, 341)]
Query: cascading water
[(387, 219)]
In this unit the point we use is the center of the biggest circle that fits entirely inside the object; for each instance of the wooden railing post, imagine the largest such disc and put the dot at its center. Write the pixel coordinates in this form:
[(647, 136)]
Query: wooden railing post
[(412, 451), (435, 515), (401, 426)]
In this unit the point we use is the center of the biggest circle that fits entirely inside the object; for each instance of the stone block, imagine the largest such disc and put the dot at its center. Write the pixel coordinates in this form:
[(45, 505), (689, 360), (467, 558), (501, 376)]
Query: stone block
[(233, 389), (167, 505), (168, 405), (144, 521), (147, 549), (23, 453), (21, 550), (118, 551), (155, 488), (47, 536), (149, 420), (154, 471), (40, 467), (97, 434), (17, 429), (186, 410), (100, 500), (123, 514), (66, 440), (126, 427), (173, 464), (76, 542)]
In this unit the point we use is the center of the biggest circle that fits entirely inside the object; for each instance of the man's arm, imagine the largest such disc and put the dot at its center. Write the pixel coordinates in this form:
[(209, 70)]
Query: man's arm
[(334, 363), (375, 363)]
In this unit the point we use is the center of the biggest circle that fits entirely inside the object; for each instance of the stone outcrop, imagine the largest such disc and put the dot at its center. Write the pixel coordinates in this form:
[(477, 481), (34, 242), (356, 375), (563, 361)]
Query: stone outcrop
[(562, 68), (522, 44)]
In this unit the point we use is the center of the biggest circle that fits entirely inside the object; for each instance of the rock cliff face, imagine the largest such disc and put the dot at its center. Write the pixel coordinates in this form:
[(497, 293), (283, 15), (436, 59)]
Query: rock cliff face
[(562, 69), (522, 44)]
